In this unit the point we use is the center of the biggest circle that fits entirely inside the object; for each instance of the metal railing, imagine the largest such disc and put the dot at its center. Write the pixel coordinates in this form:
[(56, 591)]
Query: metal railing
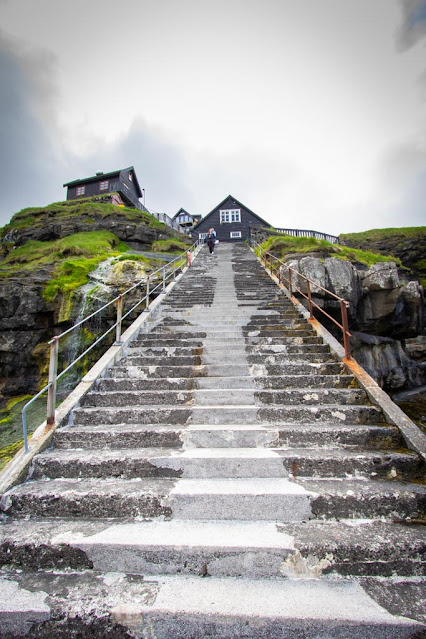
[(274, 264), (162, 274), (333, 239)]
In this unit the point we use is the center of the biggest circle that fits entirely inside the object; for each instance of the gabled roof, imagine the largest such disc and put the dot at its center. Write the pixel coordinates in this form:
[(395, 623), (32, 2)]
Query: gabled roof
[(181, 212), (105, 176), (239, 204)]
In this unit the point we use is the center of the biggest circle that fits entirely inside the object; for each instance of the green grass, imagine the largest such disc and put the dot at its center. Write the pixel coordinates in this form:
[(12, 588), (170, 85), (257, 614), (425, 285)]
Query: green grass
[(283, 245), (381, 234), (87, 210), (171, 246)]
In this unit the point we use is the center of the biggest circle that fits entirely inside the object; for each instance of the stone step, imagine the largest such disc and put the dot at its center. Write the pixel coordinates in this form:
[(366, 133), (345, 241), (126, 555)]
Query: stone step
[(246, 381), (216, 462), (223, 397), (90, 498), (225, 499), (283, 500), (148, 414), (309, 549), (182, 606), (161, 360), (159, 462), (234, 436), (297, 355)]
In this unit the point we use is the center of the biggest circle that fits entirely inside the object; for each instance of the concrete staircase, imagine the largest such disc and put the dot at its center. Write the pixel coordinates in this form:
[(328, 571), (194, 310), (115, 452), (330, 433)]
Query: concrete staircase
[(226, 479)]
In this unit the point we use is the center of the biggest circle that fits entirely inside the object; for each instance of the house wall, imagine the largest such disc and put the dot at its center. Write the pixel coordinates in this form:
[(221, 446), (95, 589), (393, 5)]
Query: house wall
[(224, 230), (120, 183)]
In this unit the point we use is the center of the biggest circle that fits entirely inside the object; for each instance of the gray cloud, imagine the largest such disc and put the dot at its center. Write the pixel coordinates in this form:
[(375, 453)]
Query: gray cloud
[(413, 27), (28, 158)]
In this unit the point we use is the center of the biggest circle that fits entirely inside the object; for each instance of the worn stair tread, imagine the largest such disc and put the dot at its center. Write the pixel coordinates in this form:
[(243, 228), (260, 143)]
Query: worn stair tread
[(183, 606)]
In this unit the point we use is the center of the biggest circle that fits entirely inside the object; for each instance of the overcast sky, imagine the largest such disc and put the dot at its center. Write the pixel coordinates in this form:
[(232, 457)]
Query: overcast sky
[(310, 112)]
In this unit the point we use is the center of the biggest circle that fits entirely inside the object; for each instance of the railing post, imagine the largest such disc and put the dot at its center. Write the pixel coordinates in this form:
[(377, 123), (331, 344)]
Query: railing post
[(290, 288), (119, 314), (164, 279), (147, 293), (308, 286), (53, 370), (346, 334)]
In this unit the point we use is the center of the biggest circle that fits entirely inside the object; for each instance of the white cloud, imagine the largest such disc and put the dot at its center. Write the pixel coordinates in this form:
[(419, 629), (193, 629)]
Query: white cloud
[(305, 111)]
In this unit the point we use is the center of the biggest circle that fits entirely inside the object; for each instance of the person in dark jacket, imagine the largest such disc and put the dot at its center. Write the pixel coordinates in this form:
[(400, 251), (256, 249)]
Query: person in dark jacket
[(211, 239)]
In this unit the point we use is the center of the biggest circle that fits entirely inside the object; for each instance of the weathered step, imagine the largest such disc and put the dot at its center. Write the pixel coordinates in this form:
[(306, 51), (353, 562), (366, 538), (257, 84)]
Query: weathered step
[(138, 398), (254, 499), (309, 549), (221, 396), (122, 436), (297, 367), (158, 334), (365, 499), (138, 384), (141, 371), (286, 349), (297, 355), (369, 548), (149, 414), (257, 342), (161, 462), (161, 360), (304, 381), (221, 436), (164, 351), (186, 606), (321, 396), (90, 498)]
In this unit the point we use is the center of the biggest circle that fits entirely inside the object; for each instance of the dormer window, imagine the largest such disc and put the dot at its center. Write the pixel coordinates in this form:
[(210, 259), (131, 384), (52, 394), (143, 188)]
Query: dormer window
[(103, 186)]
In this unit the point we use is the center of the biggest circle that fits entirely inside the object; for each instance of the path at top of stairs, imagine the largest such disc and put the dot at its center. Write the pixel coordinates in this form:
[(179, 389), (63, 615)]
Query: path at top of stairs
[(226, 478)]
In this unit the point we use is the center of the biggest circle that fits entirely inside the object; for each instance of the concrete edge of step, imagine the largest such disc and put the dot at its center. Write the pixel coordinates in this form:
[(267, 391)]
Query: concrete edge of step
[(413, 436), (16, 470)]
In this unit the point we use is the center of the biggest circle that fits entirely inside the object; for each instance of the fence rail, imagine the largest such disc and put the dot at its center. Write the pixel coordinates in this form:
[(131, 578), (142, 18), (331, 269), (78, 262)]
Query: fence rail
[(333, 239), (275, 266), (159, 277)]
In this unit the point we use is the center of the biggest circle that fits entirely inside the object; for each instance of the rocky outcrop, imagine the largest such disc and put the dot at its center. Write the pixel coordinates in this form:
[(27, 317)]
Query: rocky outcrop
[(384, 310), (136, 234)]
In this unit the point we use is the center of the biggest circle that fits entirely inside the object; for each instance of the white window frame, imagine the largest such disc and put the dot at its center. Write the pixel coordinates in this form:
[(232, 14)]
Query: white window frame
[(230, 216), (234, 234), (81, 190), (103, 186)]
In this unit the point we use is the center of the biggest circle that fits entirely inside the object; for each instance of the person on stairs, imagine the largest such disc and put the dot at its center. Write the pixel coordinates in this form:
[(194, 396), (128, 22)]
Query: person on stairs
[(211, 239)]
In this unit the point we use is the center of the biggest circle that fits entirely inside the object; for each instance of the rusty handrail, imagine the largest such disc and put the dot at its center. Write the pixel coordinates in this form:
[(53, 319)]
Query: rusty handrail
[(274, 264)]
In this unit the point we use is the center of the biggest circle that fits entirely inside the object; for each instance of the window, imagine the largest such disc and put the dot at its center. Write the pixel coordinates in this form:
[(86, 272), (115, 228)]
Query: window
[(235, 234), (230, 215), (81, 190), (131, 176), (103, 186), (201, 236)]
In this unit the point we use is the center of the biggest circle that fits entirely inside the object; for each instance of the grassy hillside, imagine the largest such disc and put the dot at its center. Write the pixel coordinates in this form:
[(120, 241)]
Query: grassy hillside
[(406, 243), (84, 209), (284, 246)]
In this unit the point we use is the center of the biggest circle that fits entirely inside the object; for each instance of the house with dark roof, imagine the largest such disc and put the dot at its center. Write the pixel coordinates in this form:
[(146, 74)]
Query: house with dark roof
[(122, 182), (186, 220), (230, 219)]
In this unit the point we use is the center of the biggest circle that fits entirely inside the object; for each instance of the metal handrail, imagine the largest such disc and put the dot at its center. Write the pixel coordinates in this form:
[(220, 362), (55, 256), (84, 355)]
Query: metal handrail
[(274, 264), (167, 272)]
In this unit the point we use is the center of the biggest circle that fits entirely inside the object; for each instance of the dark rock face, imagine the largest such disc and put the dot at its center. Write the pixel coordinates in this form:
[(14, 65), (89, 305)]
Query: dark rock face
[(137, 235), (25, 322), (384, 310)]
